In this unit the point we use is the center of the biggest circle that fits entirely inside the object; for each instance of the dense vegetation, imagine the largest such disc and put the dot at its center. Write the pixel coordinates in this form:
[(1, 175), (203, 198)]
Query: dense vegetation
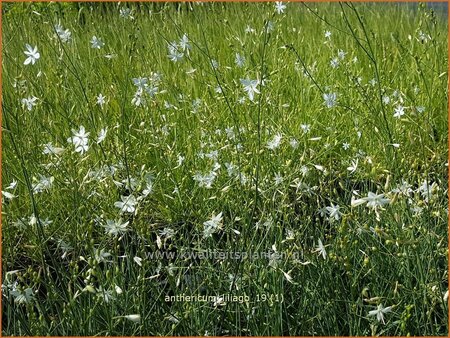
[(137, 139)]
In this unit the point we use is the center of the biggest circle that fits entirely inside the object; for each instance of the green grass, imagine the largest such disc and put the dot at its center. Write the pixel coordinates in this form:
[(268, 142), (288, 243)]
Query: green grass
[(395, 255)]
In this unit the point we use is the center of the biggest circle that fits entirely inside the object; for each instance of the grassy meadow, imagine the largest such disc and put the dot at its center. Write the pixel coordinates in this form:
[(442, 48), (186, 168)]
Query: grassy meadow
[(285, 165)]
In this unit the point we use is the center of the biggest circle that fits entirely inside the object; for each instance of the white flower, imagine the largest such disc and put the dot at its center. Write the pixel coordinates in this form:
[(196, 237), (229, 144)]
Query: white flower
[(80, 140), (167, 232), (102, 256), (139, 98), (80, 136), (423, 37), (404, 188), (274, 142), (151, 90), (353, 166), (49, 149), (175, 54), (399, 111), (328, 34), (279, 7), (115, 227), (118, 289), (218, 301), (64, 34), (287, 276), (294, 143), (341, 54), (33, 220), (321, 249), (205, 180), (44, 184), (7, 195), (249, 29), (140, 82), (29, 102), (345, 146), (379, 312), (240, 60), (250, 87), (426, 189), (148, 185), (32, 53), (101, 100), (373, 201), (105, 295), (420, 109), (304, 170), (184, 44), (102, 135), (180, 160), (231, 135), (334, 212), (334, 62), (330, 99), (128, 204), (278, 179), (231, 169), (126, 13), (305, 127), (212, 225), (110, 56), (133, 318), (12, 185), (23, 297), (138, 260), (96, 42)]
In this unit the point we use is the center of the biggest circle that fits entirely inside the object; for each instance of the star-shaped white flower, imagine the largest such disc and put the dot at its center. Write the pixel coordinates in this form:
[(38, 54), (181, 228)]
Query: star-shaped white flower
[(380, 311), (279, 7), (250, 87), (32, 53)]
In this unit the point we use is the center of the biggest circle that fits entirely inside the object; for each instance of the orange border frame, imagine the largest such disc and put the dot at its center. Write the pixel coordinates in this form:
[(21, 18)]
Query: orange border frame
[(115, 1)]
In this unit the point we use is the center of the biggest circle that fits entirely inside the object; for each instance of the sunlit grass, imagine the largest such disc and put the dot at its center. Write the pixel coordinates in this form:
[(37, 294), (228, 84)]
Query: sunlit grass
[(324, 142)]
